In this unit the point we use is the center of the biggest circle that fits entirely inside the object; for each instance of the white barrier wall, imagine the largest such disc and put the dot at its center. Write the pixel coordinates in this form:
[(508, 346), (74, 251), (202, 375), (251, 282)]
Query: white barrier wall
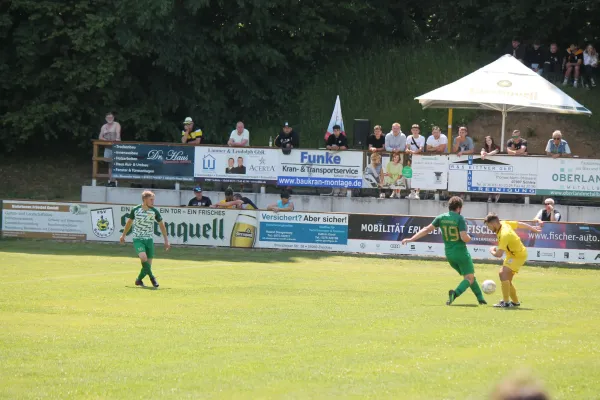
[(361, 205), (345, 232)]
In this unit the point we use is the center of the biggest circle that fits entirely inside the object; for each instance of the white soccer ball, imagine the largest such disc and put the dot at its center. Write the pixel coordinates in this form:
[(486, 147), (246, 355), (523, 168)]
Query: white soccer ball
[(488, 286)]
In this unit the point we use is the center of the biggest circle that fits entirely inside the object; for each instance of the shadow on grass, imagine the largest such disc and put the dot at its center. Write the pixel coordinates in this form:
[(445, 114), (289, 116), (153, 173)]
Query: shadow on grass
[(147, 288), (464, 305), (204, 253)]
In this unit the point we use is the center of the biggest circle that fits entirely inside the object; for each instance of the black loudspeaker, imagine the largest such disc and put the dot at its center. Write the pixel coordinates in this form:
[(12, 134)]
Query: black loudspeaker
[(362, 130)]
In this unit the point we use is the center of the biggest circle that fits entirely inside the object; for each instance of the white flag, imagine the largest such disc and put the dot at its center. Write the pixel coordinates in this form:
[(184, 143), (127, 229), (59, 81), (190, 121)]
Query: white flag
[(336, 119)]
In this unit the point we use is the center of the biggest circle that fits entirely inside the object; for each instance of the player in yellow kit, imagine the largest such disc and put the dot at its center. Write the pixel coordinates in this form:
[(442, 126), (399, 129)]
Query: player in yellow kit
[(516, 255)]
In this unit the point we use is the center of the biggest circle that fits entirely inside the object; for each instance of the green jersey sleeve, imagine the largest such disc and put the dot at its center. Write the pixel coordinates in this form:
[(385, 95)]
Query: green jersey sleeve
[(132, 213), (157, 215), (436, 221), (462, 224)]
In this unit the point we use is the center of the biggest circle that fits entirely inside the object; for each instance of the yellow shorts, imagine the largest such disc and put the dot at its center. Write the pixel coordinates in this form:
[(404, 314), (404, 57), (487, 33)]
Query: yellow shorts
[(514, 263)]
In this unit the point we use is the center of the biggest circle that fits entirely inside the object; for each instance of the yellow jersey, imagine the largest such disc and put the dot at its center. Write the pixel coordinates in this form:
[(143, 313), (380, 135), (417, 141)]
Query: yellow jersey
[(225, 201), (509, 241)]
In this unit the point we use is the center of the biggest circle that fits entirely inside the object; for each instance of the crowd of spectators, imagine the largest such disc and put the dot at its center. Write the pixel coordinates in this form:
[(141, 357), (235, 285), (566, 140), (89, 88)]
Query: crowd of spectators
[(572, 65), (236, 200)]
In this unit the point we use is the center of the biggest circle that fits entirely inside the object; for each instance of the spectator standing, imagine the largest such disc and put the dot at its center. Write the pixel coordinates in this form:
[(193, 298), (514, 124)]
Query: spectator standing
[(376, 141), (238, 201), (536, 58), (240, 137), (463, 144), (573, 61), (282, 205), (516, 50), (395, 140), (548, 213), (244, 202), (199, 200), (489, 147), (337, 142), (227, 202), (557, 147), (415, 144), (110, 132), (590, 66), (553, 65), (287, 138), (516, 145), (437, 142), (189, 135)]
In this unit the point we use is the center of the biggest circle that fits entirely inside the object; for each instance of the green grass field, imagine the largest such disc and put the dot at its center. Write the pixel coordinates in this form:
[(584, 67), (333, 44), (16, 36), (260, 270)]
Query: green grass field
[(263, 324)]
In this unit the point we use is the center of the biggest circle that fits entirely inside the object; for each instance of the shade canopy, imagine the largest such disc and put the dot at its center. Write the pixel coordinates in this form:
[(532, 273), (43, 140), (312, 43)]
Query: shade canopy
[(506, 85)]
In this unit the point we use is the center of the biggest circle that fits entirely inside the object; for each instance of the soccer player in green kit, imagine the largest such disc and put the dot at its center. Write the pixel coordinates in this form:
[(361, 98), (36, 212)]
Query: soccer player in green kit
[(454, 233), (142, 217)]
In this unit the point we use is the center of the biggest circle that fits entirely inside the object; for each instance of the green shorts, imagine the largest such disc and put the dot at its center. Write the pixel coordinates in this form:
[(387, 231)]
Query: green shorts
[(462, 263), (144, 246)]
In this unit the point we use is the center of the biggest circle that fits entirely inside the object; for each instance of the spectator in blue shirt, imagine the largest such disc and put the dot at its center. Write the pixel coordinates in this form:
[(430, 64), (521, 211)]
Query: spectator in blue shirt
[(557, 147), (282, 205)]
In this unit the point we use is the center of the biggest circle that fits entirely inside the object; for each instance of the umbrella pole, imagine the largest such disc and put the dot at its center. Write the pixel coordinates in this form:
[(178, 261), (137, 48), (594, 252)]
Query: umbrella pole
[(449, 146), (503, 127)]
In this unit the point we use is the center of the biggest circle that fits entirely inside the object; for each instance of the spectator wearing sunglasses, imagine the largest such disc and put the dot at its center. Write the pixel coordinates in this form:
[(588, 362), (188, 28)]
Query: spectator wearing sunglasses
[(198, 200), (557, 147), (548, 213)]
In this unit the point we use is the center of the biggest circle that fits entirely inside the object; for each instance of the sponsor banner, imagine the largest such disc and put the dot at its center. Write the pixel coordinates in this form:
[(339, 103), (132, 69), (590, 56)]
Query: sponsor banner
[(303, 231), (26, 219), (429, 172), (497, 174), (190, 226), (581, 242), (236, 164), (361, 233), (568, 177), (320, 168), (158, 162), (388, 171)]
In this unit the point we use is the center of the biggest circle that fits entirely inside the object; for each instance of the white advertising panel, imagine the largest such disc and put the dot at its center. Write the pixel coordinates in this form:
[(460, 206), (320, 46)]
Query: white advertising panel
[(429, 172), (497, 174), (236, 164)]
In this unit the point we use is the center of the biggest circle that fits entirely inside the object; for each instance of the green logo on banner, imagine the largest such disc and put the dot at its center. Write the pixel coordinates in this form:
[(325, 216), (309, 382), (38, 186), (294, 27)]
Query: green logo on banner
[(407, 172)]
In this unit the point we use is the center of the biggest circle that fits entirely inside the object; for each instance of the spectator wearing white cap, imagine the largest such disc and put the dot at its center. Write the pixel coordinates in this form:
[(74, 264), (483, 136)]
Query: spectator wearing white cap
[(240, 137), (189, 135)]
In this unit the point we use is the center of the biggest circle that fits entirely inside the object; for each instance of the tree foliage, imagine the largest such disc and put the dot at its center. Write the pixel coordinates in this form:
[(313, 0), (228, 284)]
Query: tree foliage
[(63, 64)]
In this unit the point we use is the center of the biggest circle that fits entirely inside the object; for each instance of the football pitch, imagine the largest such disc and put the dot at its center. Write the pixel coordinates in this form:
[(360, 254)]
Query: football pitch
[(266, 324)]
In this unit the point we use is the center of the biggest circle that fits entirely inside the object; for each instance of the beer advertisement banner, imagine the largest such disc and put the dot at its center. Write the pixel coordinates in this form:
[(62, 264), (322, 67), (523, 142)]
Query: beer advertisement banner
[(157, 162), (105, 222), (383, 234), (568, 177), (28, 219), (320, 168), (429, 172), (236, 164), (303, 231), (185, 226), (497, 174)]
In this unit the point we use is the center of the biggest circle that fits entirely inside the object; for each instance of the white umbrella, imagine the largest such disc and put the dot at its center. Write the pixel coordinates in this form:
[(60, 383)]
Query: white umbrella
[(506, 85)]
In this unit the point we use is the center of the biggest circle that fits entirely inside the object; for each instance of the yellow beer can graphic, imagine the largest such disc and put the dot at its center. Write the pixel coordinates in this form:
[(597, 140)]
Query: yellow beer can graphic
[(244, 231)]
